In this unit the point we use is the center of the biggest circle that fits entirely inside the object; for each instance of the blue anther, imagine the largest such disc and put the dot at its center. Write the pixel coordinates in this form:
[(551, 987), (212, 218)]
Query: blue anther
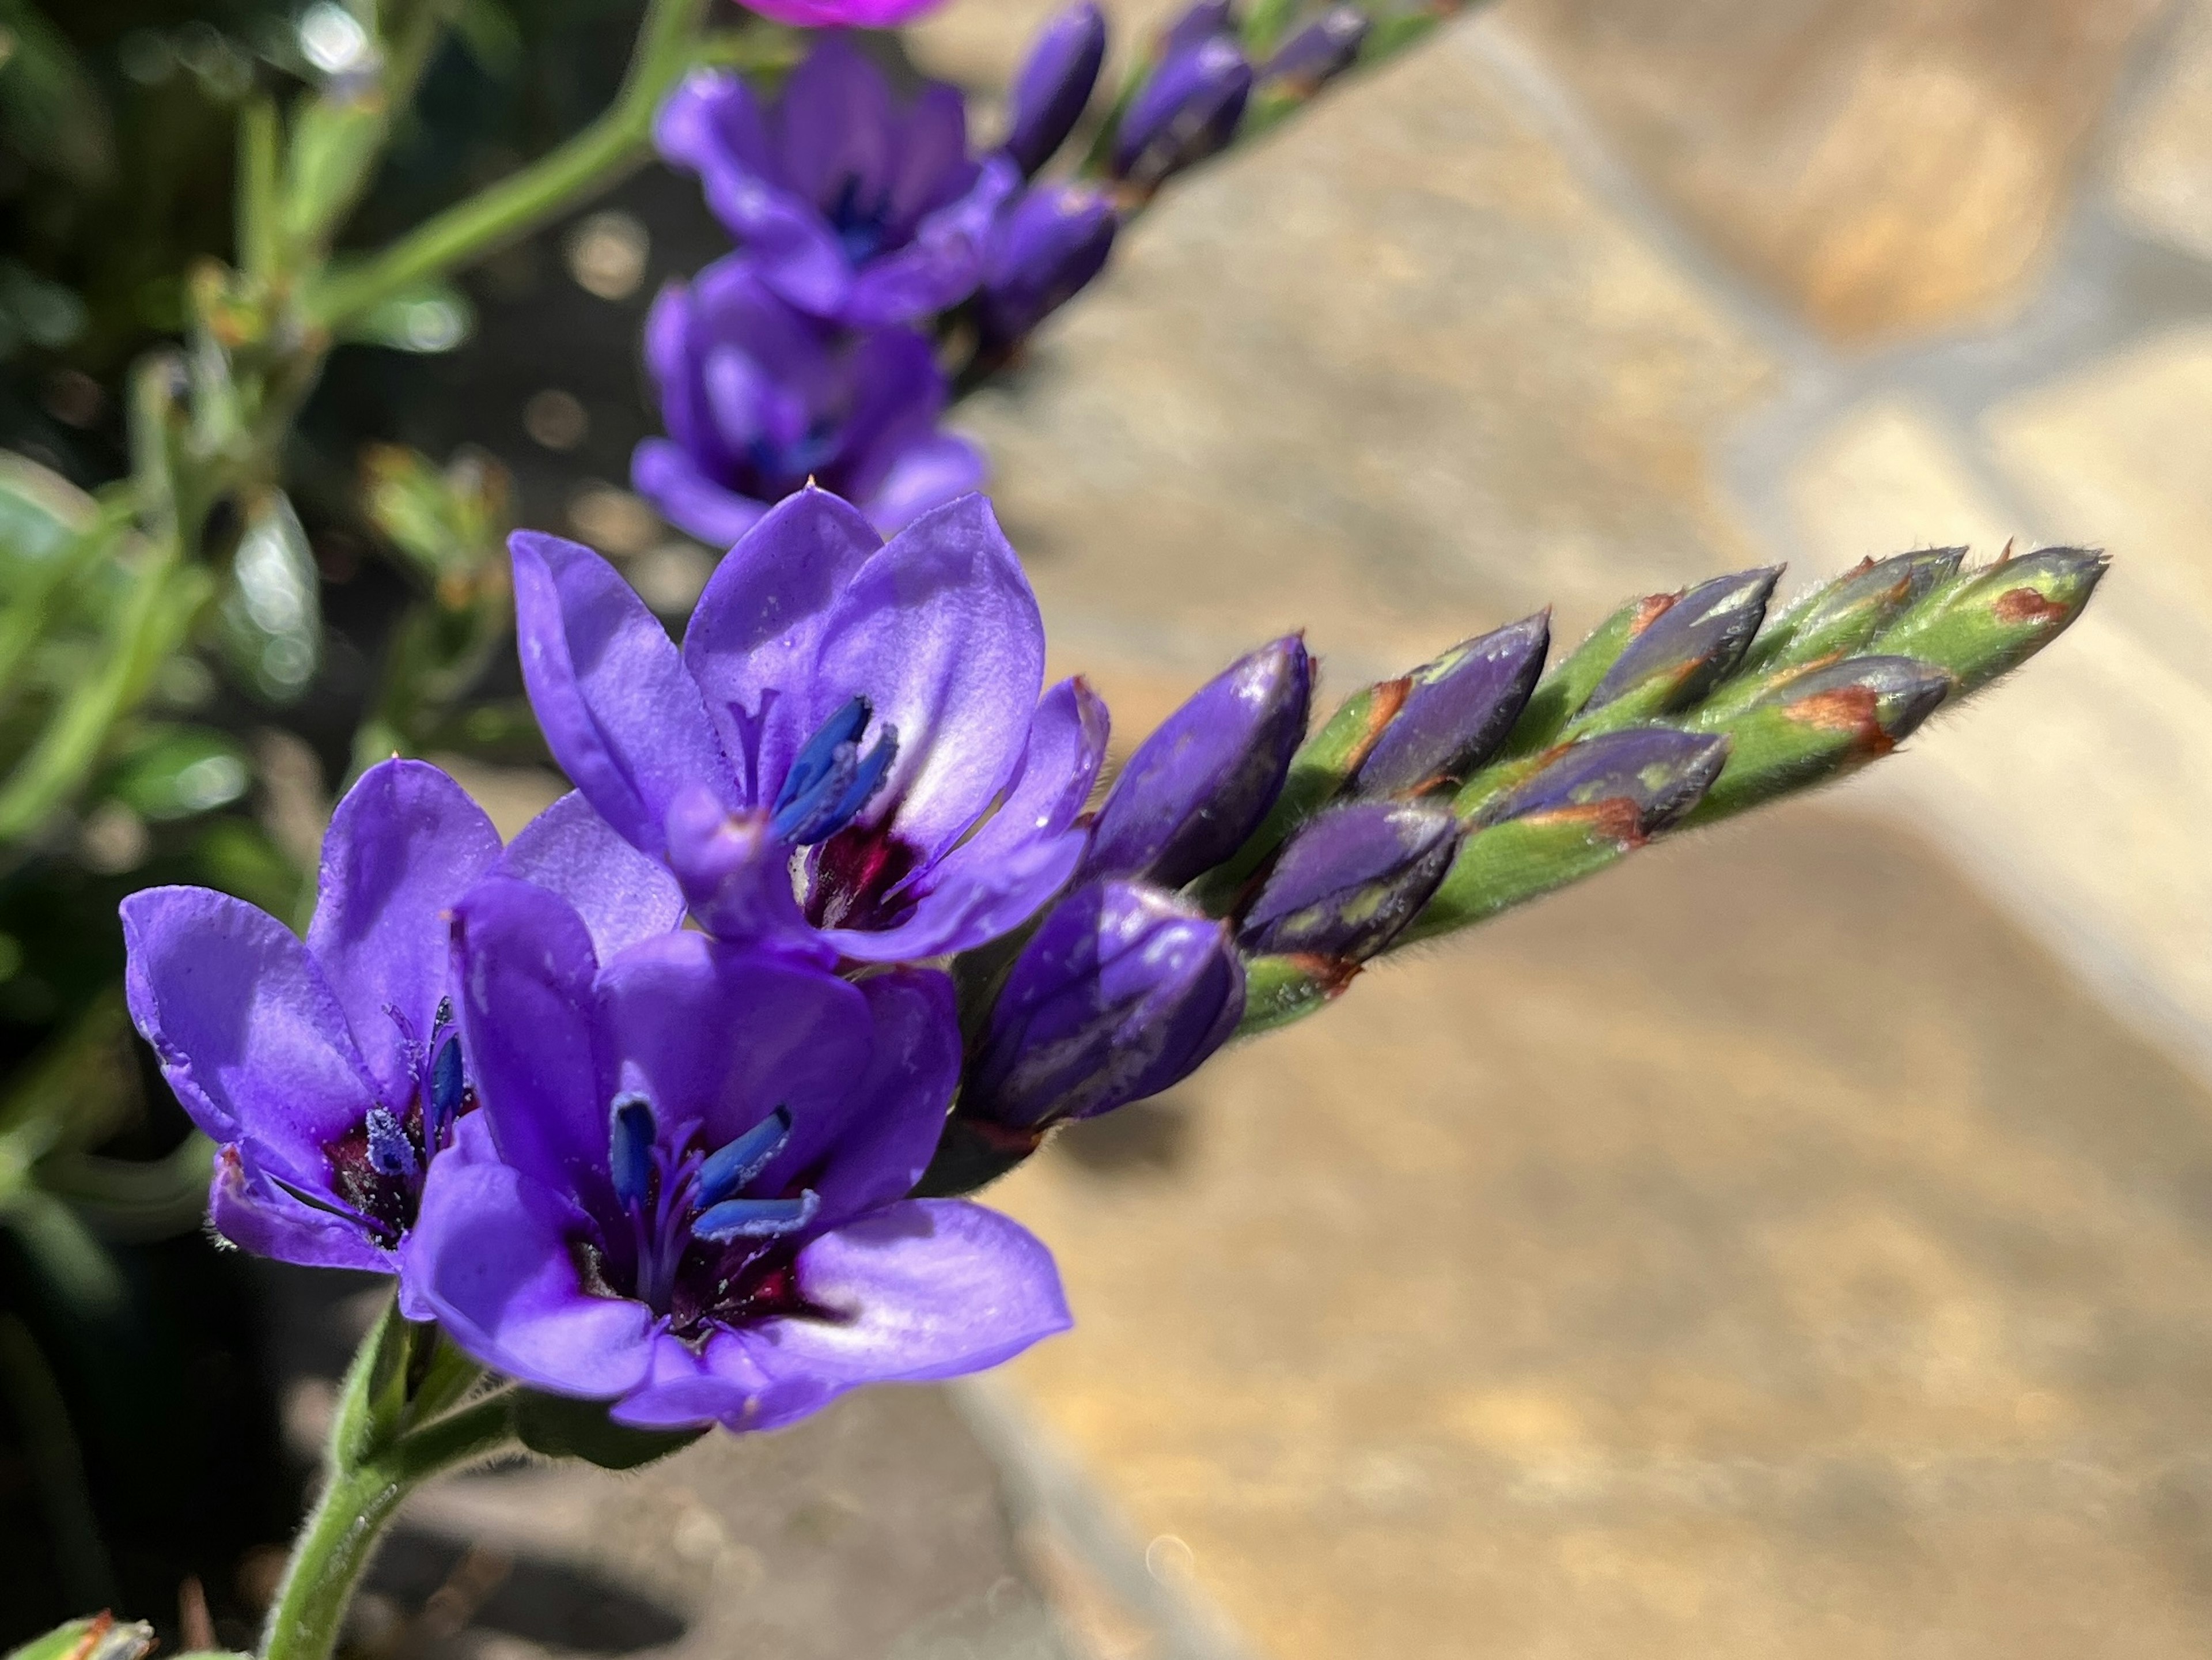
[(630, 1132), (829, 781), (390, 1152), (443, 1018), (730, 1169), (448, 1086), (755, 1218)]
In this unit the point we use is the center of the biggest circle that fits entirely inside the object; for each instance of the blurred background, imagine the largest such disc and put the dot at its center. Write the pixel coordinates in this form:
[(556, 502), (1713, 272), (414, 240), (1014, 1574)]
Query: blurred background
[(1798, 1242)]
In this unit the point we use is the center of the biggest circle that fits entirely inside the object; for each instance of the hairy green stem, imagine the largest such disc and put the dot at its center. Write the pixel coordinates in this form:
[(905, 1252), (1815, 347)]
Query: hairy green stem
[(590, 161)]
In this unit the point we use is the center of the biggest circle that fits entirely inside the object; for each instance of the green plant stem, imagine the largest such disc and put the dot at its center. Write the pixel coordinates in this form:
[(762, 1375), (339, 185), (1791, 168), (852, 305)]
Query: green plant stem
[(358, 1500), (590, 161)]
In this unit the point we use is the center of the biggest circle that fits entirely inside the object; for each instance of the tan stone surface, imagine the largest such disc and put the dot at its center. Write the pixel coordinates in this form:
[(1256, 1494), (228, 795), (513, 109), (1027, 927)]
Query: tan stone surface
[(2076, 790), (1884, 165), (1393, 372), (1761, 1251), (2162, 174)]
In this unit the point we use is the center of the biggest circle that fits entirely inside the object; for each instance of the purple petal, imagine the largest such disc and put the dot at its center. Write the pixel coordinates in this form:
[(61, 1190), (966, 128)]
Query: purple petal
[(940, 633), (404, 844), (524, 968), (490, 1255), (667, 475), (757, 630), (925, 1289), (923, 475), (833, 125), (252, 1212), (735, 874), (723, 1035), (894, 1115), (942, 264), (931, 166), (619, 711), (248, 1030), (675, 341), (623, 896), (694, 1382), (970, 901), (710, 123), (1067, 746)]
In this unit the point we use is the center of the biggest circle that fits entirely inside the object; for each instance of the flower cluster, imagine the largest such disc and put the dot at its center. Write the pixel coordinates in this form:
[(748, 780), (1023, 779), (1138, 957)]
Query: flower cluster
[(669, 1103), (874, 248)]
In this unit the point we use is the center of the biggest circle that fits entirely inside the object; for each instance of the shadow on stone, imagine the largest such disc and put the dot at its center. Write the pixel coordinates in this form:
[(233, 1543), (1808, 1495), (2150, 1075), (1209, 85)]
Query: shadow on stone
[(555, 1604), (1148, 1138)]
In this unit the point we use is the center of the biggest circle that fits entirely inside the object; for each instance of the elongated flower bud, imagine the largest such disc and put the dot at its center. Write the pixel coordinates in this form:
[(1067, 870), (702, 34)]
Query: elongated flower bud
[(1187, 110), (1317, 53), (1457, 710), (1195, 24), (1054, 85), (1688, 649), (1122, 992), (1050, 243), (1198, 787), (1844, 614), (1351, 878), (1646, 777), (1994, 619), (1821, 724)]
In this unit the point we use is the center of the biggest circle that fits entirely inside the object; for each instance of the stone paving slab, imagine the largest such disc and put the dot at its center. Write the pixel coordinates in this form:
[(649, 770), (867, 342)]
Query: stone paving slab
[(1762, 1249)]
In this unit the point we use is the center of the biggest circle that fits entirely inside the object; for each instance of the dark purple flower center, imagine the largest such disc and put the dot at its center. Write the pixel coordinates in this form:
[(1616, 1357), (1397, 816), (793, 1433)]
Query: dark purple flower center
[(785, 465), (377, 1167), (693, 1243), (862, 227), (858, 880)]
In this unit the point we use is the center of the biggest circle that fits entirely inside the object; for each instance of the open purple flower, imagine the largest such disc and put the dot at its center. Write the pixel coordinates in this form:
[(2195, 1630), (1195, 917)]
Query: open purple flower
[(758, 399), (686, 1189), (821, 762), (330, 1071), (853, 207)]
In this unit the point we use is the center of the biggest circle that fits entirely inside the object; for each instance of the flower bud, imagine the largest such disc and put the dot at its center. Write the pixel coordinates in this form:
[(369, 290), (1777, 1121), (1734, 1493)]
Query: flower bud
[(1821, 724), (1195, 24), (1351, 878), (1051, 243), (1121, 992), (1991, 621), (1646, 777), (1684, 651), (1054, 85), (1201, 784), (1187, 109), (1279, 990), (1319, 52), (1457, 711), (1844, 614)]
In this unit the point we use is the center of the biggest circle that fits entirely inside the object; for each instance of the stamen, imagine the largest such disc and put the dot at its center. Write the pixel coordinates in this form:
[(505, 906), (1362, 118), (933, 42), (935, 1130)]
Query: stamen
[(444, 1017), (390, 1152), (630, 1134), (829, 781), (729, 1169), (448, 1086), (755, 1218)]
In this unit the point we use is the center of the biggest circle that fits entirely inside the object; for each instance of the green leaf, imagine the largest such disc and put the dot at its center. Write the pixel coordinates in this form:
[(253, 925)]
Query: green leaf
[(41, 513), (558, 1427), (180, 772), (272, 608), (103, 1637), (427, 318)]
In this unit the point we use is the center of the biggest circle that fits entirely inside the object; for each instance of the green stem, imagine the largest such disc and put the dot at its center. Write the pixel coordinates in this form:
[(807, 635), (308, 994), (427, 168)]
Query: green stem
[(589, 162), (358, 1500)]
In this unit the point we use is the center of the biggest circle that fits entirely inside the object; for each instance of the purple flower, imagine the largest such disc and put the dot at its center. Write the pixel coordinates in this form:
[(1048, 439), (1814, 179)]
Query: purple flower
[(758, 399), (1054, 84), (1122, 992), (820, 762), (852, 207), (1053, 240), (686, 1187), (329, 1071), (1457, 710), (1202, 783)]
